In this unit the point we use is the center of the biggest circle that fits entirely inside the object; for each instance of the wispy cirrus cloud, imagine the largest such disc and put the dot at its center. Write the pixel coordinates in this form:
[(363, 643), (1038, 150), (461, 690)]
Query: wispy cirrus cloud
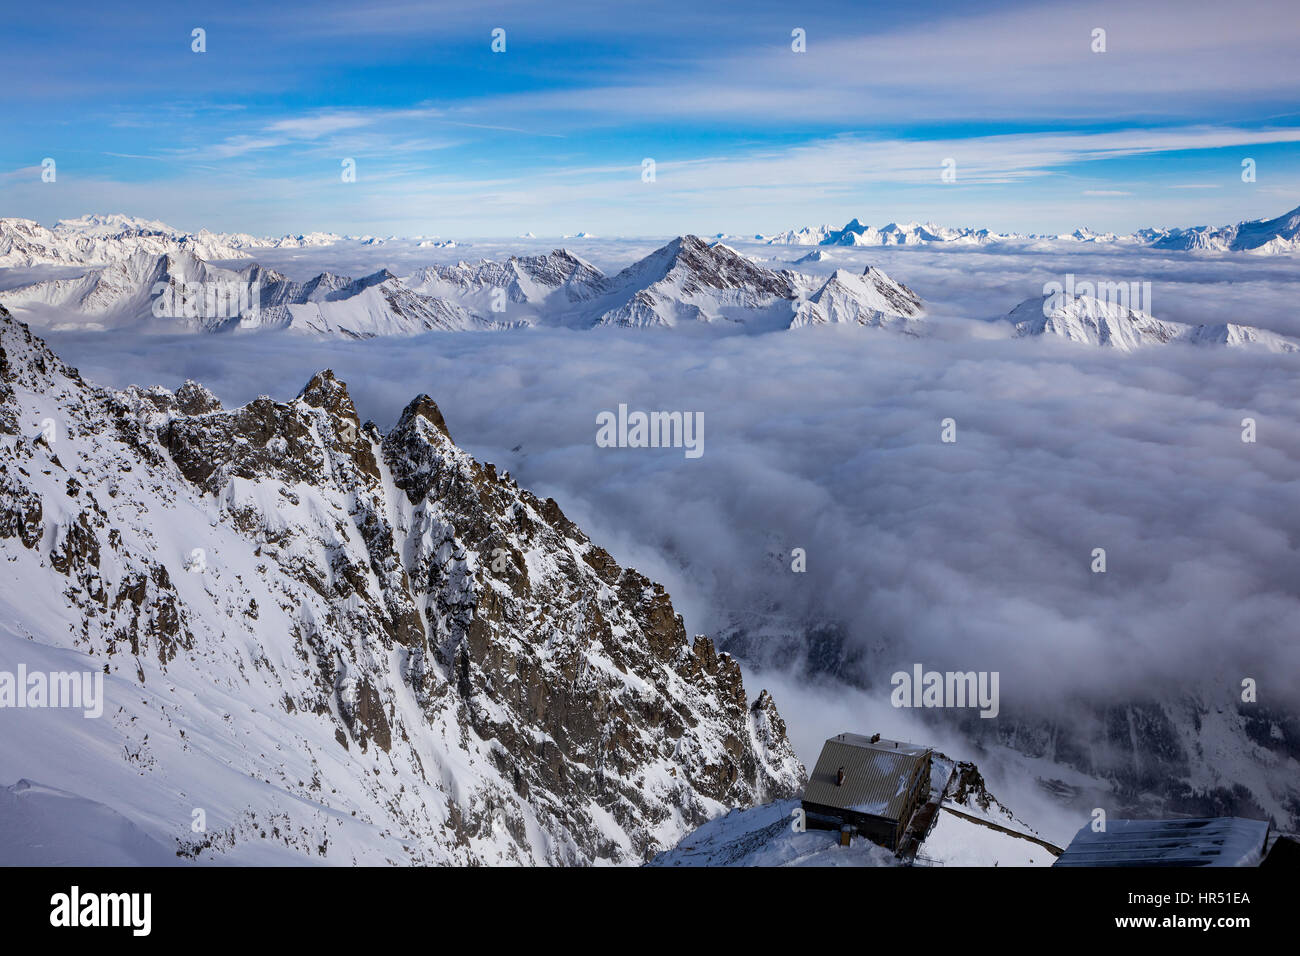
[(746, 133), (416, 185)]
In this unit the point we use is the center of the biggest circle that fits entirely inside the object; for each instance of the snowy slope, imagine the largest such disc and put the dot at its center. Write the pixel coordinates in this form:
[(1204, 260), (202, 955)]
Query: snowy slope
[(42, 826), (763, 836), (957, 841), (339, 645)]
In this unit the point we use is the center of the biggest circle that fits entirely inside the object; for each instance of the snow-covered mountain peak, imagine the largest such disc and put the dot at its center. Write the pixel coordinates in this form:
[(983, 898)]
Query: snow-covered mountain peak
[(1094, 321), (856, 233), (100, 240), (689, 280), (1087, 319), (376, 278), (695, 264), (817, 255), (425, 408), (529, 280), (325, 390), (871, 298), (113, 224), (323, 286)]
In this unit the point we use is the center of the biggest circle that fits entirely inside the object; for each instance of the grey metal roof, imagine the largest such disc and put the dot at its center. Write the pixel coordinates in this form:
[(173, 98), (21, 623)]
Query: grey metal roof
[(875, 775), (1204, 841), (894, 746)]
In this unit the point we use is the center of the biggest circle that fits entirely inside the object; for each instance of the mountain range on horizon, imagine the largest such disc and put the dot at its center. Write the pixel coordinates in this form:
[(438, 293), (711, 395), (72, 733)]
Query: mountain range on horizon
[(1278, 235), (97, 239), (687, 281)]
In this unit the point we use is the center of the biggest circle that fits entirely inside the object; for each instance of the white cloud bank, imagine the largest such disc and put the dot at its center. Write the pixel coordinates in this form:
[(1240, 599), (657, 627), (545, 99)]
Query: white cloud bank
[(974, 555)]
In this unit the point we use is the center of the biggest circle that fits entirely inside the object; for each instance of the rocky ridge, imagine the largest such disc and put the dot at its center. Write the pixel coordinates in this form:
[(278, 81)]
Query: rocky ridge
[(374, 639)]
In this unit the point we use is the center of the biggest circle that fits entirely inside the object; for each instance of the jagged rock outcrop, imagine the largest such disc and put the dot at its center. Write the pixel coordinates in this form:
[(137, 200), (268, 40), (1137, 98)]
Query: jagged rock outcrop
[(384, 647)]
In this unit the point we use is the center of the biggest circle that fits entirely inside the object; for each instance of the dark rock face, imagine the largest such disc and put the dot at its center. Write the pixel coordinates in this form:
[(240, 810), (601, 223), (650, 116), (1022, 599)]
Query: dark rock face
[(20, 510), (502, 689)]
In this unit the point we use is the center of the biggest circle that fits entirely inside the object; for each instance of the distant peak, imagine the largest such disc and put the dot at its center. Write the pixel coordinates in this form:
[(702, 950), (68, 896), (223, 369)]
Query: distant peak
[(422, 406), (331, 394)]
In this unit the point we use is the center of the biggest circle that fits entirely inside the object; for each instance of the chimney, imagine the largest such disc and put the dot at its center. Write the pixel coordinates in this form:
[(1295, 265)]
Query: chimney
[(839, 777)]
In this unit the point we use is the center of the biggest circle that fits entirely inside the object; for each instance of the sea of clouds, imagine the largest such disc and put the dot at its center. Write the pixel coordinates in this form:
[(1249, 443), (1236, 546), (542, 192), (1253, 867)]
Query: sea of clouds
[(974, 555)]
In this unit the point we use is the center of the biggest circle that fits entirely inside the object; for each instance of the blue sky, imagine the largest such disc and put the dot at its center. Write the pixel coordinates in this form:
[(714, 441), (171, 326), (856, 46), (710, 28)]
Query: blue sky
[(451, 139)]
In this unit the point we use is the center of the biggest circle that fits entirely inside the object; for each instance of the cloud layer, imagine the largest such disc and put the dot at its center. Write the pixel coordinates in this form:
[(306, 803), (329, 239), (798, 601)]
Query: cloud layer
[(971, 555)]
